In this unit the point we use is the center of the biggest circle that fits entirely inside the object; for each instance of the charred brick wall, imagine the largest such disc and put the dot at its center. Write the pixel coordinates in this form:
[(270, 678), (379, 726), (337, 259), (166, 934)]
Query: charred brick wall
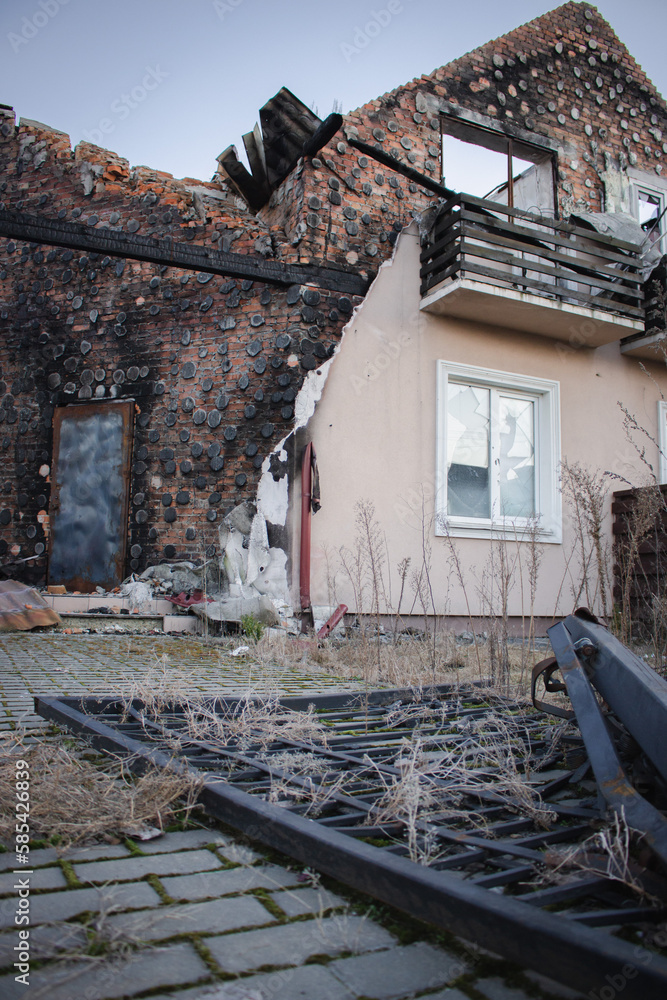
[(564, 76), (213, 364)]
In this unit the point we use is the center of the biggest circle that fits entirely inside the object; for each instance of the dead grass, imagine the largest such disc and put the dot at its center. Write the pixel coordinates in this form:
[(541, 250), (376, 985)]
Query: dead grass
[(74, 800), (606, 852), (410, 662), (437, 786)]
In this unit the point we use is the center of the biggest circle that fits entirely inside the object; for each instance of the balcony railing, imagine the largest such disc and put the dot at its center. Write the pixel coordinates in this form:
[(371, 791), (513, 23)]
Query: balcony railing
[(532, 258)]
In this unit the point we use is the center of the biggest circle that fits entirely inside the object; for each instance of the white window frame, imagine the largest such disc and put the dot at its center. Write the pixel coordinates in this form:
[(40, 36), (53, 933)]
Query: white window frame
[(546, 395), (662, 441), (638, 186)]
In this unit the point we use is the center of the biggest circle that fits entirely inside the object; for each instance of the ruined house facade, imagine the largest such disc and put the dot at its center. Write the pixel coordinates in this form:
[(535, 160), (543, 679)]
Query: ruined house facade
[(336, 297)]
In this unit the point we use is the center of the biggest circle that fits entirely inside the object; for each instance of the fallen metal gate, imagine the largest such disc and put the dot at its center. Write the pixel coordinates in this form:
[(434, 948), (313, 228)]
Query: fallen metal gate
[(485, 881)]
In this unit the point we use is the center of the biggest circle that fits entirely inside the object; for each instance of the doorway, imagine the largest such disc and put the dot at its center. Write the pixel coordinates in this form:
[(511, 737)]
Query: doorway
[(92, 446)]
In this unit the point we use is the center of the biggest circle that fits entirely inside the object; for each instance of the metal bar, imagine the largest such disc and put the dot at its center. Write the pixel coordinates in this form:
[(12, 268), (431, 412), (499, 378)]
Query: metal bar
[(635, 692), (612, 782), (575, 955), (167, 251), (401, 168)]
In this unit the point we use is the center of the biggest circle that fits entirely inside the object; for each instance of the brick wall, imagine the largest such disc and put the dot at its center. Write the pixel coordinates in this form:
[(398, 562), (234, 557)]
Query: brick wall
[(215, 365)]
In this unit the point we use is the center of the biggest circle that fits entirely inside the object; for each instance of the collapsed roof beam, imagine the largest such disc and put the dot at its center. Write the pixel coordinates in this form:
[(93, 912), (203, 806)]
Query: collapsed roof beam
[(401, 168), (188, 256)]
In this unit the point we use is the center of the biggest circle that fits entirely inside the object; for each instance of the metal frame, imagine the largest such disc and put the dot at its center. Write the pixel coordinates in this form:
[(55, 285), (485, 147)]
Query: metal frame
[(567, 948), (82, 581)]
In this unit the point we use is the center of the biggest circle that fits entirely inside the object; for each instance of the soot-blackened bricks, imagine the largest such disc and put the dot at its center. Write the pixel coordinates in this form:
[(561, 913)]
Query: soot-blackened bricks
[(215, 364)]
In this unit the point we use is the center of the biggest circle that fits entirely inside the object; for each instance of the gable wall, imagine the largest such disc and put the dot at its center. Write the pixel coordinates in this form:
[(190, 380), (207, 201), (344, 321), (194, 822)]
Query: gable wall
[(339, 208)]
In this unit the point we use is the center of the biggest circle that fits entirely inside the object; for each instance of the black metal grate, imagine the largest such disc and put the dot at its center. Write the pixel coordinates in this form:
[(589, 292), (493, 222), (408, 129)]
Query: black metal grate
[(362, 787)]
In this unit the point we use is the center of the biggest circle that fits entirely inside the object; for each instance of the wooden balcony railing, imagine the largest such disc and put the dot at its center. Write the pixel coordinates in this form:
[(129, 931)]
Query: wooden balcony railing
[(504, 247)]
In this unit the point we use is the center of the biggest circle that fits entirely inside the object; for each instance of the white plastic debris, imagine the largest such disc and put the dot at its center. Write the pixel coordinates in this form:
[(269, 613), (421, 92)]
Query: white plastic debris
[(138, 593), (240, 650)]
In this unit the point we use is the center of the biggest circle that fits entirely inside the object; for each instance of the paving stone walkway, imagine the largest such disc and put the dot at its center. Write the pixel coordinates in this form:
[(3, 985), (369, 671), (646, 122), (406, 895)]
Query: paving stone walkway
[(50, 663), (199, 915)]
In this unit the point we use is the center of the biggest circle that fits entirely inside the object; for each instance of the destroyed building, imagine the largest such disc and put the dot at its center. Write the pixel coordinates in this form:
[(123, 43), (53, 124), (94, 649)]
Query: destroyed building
[(170, 348)]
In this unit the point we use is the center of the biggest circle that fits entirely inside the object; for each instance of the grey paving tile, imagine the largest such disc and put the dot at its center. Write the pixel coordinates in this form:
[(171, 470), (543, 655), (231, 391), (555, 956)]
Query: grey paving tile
[(43, 878), (45, 942), (309, 982), (230, 880), (293, 944), (54, 906), (391, 975), (96, 853), (495, 989), (206, 918), (168, 966), (41, 856), (297, 902), (135, 867), (181, 841)]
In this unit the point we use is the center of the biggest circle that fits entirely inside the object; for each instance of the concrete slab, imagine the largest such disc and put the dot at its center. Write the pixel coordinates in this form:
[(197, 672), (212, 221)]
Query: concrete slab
[(126, 869), (195, 918), (224, 883), (294, 943), (54, 906), (391, 975), (170, 966)]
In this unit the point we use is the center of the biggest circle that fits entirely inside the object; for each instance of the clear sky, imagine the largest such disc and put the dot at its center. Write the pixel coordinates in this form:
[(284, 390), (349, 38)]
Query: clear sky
[(171, 83)]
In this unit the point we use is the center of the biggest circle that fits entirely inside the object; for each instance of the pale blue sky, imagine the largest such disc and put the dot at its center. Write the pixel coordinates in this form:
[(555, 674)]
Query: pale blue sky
[(171, 83)]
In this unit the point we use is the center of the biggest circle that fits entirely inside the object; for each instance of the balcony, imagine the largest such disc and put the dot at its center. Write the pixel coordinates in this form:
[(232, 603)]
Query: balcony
[(504, 267)]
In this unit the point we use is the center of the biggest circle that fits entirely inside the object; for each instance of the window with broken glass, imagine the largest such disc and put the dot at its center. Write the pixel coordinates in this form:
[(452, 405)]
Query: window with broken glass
[(650, 207), (498, 453)]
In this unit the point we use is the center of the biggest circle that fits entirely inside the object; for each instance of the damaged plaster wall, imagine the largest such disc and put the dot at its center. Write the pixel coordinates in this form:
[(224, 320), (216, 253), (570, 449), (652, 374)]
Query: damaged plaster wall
[(278, 494), (216, 366), (375, 431)]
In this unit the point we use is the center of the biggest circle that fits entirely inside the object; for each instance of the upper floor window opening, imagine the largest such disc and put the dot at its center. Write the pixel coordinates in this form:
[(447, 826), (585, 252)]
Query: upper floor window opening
[(489, 164)]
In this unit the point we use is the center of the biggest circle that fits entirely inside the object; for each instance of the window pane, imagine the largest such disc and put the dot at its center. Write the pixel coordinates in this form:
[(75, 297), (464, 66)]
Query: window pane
[(517, 457), (468, 451), (649, 209)]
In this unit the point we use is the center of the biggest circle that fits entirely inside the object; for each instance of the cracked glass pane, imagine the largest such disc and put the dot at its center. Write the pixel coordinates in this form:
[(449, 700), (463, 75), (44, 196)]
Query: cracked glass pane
[(517, 457), (468, 441)]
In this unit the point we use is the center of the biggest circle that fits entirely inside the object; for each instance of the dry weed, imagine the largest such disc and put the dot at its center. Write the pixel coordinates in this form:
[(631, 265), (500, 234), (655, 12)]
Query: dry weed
[(409, 661), (76, 801), (439, 785), (606, 852)]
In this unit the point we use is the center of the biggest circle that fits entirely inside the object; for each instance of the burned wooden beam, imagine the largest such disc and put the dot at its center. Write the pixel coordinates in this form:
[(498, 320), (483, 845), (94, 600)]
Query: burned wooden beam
[(188, 256), (401, 168), (287, 124), (323, 134), (251, 187)]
